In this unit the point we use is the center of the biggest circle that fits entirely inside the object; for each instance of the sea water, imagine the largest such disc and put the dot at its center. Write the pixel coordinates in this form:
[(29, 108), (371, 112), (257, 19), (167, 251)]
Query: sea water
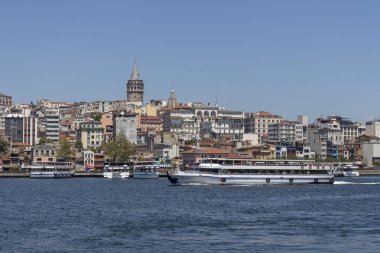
[(126, 215)]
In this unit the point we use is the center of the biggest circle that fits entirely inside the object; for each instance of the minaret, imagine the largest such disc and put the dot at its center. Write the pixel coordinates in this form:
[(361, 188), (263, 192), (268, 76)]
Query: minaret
[(135, 87), (172, 101)]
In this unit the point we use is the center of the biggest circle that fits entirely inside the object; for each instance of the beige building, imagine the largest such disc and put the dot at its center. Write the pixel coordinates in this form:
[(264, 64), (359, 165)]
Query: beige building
[(151, 123), (259, 122), (45, 153), (152, 107), (90, 134)]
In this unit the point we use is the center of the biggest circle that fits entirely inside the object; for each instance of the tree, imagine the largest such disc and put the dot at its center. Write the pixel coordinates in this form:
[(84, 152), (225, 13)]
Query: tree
[(43, 140), (3, 146), (119, 149), (65, 150), (79, 145), (96, 116)]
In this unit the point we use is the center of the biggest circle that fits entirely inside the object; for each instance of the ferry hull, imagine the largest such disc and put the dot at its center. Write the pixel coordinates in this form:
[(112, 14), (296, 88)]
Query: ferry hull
[(116, 175), (184, 179), (351, 173), (145, 175), (41, 175)]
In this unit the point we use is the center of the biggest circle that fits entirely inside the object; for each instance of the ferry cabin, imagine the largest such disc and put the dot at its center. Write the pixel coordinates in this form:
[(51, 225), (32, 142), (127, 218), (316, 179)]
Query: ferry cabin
[(242, 171)]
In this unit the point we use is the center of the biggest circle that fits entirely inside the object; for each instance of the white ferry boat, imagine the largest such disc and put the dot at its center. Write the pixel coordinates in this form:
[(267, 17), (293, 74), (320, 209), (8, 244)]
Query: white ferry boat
[(347, 171), (116, 171), (252, 172), (145, 170), (52, 170)]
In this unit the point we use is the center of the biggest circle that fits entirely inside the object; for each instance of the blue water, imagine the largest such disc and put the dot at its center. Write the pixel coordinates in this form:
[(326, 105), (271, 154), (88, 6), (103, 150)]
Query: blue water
[(100, 215)]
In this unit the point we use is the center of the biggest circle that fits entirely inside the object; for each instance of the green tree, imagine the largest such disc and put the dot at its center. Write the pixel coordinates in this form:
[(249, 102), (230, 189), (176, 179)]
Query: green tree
[(96, 116), (3, 146), (79, 145), (65, 151), (44, 140), (188, 142), (119, 149)]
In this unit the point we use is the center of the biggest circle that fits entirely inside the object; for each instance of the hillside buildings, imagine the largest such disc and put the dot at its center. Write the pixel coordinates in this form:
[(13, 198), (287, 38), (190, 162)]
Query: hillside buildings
[(181, 132)]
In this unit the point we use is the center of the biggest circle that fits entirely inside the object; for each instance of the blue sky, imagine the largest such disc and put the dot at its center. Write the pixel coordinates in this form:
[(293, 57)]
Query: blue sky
[(286, 57)]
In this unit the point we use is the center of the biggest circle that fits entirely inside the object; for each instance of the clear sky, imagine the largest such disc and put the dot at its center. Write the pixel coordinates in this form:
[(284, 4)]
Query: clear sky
[(286, 57)]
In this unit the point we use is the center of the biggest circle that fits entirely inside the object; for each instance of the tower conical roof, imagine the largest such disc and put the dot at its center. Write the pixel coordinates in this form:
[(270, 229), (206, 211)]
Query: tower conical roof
[(135, 73)]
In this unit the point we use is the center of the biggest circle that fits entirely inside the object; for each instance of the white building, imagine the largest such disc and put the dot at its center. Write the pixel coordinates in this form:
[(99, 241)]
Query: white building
[(372, 128), (203, 121), (303, 120), (182, 122), (52, 124), (371, 153), (88, 159), (215, 123), (166, 150)]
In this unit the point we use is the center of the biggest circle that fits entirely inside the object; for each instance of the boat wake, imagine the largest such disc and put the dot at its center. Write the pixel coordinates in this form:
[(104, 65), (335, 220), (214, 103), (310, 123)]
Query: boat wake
[(346, 183)]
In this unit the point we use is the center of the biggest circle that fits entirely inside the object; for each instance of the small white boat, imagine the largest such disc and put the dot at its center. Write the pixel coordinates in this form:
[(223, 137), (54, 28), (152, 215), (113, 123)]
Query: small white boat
[(116, 171), (145, 170), (347, 171), (52, 170)]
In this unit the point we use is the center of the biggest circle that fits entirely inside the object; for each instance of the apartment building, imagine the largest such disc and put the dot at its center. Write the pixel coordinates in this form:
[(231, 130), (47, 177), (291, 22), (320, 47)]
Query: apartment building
[(90, 134), (259, 123), (285, 132), (20, 128), (204, 121), (52, 125)]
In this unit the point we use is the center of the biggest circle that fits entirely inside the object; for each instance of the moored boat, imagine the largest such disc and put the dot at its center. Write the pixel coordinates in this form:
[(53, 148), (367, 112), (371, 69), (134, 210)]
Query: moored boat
[(145, 170), (116, 171), (52, 170), (251, 172)]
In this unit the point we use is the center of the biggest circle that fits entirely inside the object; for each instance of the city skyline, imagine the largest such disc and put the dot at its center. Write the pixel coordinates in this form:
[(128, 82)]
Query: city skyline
[(286, 58)]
